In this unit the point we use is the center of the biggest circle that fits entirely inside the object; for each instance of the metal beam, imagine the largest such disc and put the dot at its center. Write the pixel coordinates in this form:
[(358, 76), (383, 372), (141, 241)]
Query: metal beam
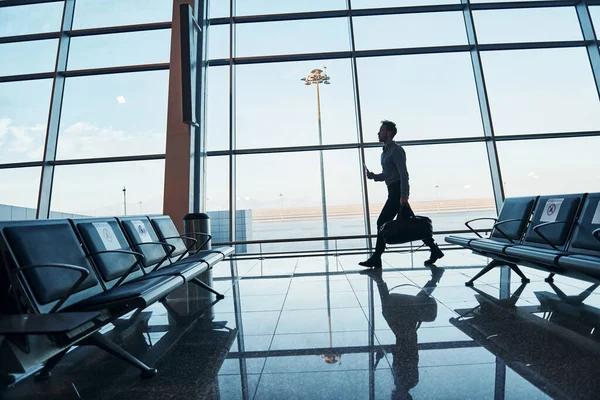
[(101, 160), (26, 77), (10, 3), (531, 45), (27, 164), (114, 70), (359, 128), (232, 127), (120, 29), (46, 180), (396, 52), (437, 8), (484, 107), (29, 38), (198, 138), (425, 142), (591, 43)]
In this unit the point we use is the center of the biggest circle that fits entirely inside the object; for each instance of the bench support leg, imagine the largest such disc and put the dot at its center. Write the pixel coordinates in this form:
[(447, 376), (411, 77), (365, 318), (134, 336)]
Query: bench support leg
[(493, 264), (205, 286), (107, 345), (574, 300), (46, 372), (518, 271), (550, 278)]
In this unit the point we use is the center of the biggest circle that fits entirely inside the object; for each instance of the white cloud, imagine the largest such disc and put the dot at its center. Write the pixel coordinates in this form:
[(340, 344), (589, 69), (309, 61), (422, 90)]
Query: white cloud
[(4, 123), (20, 143), (85, 140)]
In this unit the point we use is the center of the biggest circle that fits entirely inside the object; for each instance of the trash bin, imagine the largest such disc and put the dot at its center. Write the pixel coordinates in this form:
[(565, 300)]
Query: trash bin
[(197, 225)]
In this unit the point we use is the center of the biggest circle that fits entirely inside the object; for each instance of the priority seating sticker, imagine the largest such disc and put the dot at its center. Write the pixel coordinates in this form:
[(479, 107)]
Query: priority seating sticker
[(142, 231), (551, 210), (107, 235), (596, 219)]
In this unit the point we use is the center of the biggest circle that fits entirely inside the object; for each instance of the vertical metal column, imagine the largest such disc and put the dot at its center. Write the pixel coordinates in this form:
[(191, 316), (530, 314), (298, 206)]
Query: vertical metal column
[(58, 88), (232, 132), (484, 106), (360, 136), (197, 133), (591, 40)]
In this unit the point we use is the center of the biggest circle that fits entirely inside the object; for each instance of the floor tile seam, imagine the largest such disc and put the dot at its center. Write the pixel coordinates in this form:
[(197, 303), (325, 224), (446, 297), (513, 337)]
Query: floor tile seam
[(321, 308), (460, 365), (319, 372), (249, 269), (314, 332), (262, 294), (238, 278), (455, 365)]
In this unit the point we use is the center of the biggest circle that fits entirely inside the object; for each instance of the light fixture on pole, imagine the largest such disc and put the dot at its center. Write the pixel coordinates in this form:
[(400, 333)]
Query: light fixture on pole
[(124, 201), (316, 77)]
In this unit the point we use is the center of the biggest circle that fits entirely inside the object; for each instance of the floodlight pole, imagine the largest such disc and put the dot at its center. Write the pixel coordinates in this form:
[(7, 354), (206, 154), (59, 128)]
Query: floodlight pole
[(316, 77)]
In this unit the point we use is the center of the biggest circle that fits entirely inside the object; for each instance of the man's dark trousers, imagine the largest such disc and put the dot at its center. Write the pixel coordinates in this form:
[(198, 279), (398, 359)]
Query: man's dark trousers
[(392, 208)]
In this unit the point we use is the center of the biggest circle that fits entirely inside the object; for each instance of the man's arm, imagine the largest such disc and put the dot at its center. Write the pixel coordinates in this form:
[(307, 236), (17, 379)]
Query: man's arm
[(376, 177), (400, 161)]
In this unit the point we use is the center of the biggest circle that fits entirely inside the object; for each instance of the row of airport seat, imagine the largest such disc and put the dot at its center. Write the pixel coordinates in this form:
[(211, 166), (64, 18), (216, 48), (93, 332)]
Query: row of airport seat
[(559, 234), (54, 271)]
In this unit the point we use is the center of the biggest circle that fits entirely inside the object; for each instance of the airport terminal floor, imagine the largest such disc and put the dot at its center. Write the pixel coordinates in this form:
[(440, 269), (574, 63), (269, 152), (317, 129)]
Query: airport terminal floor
[(318, 328)]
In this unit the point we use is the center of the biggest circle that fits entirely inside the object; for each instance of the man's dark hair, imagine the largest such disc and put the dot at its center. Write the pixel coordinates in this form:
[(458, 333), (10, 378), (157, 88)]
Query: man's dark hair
[(389, 126)]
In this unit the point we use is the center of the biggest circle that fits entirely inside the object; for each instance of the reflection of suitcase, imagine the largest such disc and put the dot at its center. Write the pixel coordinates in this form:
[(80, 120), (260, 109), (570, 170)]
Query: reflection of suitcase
[(407, 230)]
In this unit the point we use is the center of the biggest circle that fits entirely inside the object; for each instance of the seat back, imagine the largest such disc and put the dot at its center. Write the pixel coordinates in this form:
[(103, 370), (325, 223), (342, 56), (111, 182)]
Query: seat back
[(167, 232), (518, 209), (562, 211), (582, 241), (105, 234), (40, 243), (139, 231)]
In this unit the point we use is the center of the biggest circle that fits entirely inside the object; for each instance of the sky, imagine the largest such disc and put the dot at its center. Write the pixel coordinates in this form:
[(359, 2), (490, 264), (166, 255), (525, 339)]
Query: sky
[(428, 96)]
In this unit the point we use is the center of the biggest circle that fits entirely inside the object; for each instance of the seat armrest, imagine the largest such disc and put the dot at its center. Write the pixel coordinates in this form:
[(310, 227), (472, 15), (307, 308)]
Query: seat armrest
[(139, 259), (467, 224), (83, 271), (170, 251), (596, 234), (208, 236), (504, 222), (194, 241), (537, 229)]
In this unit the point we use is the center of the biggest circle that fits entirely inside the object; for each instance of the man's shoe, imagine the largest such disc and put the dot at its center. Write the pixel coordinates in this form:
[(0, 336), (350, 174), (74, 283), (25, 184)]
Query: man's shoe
[(436, 254), (372, 262)]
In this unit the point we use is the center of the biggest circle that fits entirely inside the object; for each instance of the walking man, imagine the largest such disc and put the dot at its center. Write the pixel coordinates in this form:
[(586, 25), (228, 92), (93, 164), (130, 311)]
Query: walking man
[(395, 176)]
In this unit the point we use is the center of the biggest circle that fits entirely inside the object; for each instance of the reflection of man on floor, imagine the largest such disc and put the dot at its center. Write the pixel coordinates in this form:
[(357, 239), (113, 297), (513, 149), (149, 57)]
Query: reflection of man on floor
[(404, 314)]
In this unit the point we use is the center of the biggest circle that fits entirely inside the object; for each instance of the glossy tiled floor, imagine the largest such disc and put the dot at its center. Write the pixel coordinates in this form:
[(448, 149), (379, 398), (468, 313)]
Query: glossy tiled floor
[(319, 329)]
